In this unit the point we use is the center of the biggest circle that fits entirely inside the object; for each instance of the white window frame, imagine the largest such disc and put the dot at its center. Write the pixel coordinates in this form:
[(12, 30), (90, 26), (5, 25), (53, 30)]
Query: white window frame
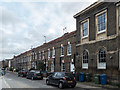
[(69, 50), (35, 56), (46, 66), (83, 22), (99, 14), (63, 66), (62, 50), (53, 53), (39, 55), (72, 66), (101, 65), (43, 55), (52, 67), (48, 54), (85, 65)]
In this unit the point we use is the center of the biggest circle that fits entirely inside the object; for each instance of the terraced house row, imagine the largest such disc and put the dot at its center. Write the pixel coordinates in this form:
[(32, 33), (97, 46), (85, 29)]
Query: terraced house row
[(93, 48)]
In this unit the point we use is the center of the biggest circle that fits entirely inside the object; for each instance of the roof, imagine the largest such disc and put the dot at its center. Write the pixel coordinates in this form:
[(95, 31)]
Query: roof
[(65, 35), (88, 8)]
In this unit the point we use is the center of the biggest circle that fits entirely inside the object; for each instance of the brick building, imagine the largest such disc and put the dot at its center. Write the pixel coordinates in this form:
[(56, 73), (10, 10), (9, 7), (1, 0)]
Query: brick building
[(98, 40), (57, 55)]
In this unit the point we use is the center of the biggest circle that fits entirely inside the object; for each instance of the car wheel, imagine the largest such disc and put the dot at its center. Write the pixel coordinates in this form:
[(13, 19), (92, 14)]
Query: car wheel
[(47, 82), (73, 86), (60, 85), (27, 77), (42, 78), (32, 78)]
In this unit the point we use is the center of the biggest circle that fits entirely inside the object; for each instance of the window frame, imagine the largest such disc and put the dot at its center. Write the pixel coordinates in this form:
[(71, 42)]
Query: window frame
[(69, 49), (99, 14), (35, 56), (62, 50), (52, 67), (39, 55), (53, 52), (84, 21), (43, 55), (85, 65), (101, 64), (48, 54), (63, 67)]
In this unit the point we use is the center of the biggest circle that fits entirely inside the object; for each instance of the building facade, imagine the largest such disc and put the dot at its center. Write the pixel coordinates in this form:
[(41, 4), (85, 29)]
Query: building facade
[(93, 48), (57, 55), (98, 46)]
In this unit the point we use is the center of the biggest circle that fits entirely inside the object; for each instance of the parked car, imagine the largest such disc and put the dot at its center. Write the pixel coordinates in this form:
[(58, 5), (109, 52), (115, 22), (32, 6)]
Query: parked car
[(22, 73), (34, 74), (49, 73), (61, 79)]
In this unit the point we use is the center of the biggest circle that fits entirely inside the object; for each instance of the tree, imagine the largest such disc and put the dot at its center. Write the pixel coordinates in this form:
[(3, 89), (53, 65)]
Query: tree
[(40, 65)]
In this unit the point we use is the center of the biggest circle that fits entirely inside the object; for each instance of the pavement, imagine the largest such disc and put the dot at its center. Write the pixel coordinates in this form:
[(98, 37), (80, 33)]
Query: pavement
[(90, 85)]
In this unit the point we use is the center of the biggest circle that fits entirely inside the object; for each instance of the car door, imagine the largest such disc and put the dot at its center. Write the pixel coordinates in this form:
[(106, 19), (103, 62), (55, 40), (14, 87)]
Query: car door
[(28, 74), (57, 78), (52, 79)]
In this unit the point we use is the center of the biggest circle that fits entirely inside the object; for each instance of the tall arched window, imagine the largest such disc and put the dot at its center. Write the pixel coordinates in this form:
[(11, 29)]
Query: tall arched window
[(102, 59), (85, 60)]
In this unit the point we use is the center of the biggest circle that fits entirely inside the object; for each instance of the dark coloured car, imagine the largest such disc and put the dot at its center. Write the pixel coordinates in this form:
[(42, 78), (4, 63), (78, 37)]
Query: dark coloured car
[(49, 73), (22, 73), (34, 74), (61, 79)]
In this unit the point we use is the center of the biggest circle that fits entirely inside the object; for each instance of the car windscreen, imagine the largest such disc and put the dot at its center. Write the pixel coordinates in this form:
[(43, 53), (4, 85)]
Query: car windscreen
[(37, 71), (69, 75)]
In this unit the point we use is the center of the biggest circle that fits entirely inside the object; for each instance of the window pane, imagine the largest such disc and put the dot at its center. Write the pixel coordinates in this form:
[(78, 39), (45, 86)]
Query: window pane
[(85, 57), (119, 16), (102, 56), (101, 22), (85, 28)]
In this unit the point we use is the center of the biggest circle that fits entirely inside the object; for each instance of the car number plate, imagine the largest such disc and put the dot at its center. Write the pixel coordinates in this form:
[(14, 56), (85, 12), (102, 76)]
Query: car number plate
[(38, 76), (69, 81)]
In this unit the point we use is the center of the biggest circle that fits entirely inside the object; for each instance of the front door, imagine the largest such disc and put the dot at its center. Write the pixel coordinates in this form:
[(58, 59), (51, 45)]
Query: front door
[(72, 67)]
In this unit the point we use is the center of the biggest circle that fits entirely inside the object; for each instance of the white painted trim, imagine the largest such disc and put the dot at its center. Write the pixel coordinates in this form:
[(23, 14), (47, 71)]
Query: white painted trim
[(98, 32), (84, 65), (86, 20)]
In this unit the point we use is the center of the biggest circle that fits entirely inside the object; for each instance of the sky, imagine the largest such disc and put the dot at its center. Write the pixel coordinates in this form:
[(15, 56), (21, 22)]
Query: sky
[(23, 24)]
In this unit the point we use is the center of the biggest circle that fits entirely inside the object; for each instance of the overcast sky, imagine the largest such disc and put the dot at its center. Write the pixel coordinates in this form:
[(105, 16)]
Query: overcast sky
[(24, 24)]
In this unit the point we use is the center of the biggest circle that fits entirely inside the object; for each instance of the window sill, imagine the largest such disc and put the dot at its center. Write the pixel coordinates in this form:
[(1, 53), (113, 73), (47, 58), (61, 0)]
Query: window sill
[(68, 54), (100, 32), (84, 67), (53, 57), (101, 68), (85, 37), (62, 56)]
